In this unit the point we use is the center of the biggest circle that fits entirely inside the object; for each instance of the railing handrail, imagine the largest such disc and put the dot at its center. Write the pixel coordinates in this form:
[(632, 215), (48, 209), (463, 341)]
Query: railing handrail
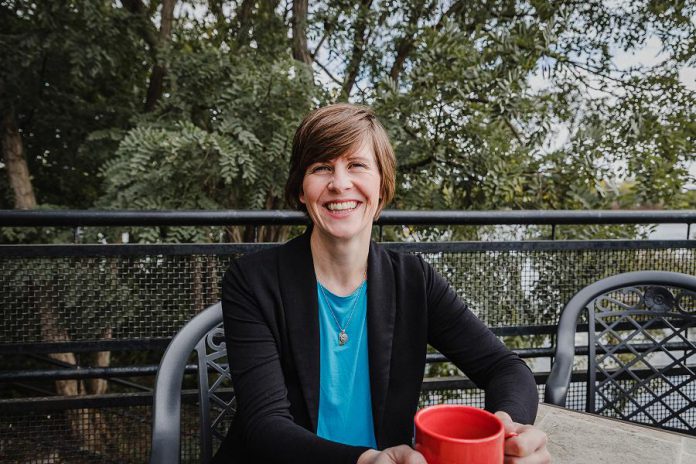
[(82, 218)]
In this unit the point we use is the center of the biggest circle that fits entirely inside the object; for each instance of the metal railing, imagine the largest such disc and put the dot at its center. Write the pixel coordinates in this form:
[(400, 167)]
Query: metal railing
[(129, 299), (555, 218)]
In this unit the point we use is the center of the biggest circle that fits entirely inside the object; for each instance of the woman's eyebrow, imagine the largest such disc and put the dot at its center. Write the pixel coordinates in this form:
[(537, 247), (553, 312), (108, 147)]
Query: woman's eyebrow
[(357, 158)]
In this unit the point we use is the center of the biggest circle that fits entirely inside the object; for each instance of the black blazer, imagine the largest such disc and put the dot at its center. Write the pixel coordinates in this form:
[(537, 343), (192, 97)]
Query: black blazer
[(270, 313)]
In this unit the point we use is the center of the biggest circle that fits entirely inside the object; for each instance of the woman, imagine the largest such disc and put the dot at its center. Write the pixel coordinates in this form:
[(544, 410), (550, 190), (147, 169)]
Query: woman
[(327, 334)]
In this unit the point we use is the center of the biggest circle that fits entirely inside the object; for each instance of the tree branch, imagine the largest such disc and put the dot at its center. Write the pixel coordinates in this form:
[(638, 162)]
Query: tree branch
[(513, 129), (299, 31), (328, 73), (326, 34), (244, 21), (603, 75), (15, 161), (407, 42), (154, 90), (147, 30), (222, 25), (358, 47), (412, 166)]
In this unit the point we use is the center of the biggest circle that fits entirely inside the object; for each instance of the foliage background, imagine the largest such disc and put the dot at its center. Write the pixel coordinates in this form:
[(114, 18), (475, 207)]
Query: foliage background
[(491, 105)]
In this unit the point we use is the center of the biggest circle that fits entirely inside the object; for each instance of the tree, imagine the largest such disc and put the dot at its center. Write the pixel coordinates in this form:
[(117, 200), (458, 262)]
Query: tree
[(222, 134), (464, 112), (68, 70), (155, 88), (15, 162), (220, 141), (453, 81)]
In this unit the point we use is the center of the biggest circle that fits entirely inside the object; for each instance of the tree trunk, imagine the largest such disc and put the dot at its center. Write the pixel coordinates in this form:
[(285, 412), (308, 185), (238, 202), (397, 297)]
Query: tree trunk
[(82, 422), (299, 31), (147, 30), (16, 163), (52, 331), (405, 44), (244, 22), (95, 421), (101, 359), (155, 88), (359, 44), (87, 426)]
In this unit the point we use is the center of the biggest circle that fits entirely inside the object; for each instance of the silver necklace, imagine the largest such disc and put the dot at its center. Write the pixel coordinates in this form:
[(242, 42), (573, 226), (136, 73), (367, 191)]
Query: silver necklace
[(342, 335)]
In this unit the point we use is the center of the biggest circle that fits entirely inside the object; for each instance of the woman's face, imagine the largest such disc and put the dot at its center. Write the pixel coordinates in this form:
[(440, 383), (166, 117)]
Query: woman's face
[(342, 195)]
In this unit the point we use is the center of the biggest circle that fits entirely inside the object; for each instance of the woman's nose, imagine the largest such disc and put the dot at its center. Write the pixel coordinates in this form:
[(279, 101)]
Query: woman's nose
[(341, 180)]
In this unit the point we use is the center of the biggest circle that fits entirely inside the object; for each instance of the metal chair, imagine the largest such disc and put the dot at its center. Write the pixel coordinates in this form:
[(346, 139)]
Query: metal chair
[(641, 349), (203, 334)]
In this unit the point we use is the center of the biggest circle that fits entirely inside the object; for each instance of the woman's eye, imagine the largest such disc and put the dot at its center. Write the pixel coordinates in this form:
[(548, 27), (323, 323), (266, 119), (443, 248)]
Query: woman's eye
[(321, 169), (358, 165)]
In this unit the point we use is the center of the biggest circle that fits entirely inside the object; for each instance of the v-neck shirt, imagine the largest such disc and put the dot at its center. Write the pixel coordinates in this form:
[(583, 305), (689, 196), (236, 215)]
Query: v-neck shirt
[(345, 401)]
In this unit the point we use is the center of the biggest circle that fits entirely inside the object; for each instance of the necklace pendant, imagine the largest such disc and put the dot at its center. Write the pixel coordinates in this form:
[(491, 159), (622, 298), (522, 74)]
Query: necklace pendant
[(342, 338)]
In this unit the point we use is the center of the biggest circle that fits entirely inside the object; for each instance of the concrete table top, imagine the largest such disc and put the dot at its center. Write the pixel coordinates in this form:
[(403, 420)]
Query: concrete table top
[(582, 438)]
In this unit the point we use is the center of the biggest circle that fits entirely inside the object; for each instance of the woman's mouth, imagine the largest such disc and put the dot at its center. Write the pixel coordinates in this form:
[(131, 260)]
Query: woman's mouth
[(341, 206)]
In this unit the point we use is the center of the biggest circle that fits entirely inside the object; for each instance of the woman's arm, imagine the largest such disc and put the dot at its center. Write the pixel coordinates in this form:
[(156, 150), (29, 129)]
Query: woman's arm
[(263, 410), (458, 334), (509, 384)]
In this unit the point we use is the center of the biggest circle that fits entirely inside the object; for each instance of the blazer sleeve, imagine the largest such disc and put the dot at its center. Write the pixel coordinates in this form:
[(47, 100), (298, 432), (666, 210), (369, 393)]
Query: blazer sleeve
[(269, 433), (466, 341)]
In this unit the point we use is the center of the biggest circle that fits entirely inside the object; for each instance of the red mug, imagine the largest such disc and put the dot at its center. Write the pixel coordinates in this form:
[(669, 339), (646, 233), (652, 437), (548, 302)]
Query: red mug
[(454, 434)]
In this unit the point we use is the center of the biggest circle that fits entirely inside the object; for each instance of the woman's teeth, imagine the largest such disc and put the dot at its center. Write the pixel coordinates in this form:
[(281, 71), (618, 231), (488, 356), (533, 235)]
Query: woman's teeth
[(342, 205)]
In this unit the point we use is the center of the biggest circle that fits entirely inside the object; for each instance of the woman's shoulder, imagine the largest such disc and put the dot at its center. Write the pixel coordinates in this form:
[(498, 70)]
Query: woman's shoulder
[(401, 259), (268, 258), (259, 257)]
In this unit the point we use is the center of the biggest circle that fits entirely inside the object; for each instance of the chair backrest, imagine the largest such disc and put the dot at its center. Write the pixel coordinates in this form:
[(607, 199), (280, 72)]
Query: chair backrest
[(641, 348), (216, 405)]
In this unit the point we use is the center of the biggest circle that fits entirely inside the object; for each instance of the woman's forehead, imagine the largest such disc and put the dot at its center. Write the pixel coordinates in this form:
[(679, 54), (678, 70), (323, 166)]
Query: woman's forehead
[(362, 150)]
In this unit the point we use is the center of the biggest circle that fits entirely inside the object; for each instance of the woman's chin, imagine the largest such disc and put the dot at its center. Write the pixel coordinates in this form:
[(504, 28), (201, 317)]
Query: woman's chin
[(342, 231)]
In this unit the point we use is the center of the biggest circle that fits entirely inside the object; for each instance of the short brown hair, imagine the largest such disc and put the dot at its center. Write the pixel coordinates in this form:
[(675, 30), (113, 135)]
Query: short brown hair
[(331, 131)]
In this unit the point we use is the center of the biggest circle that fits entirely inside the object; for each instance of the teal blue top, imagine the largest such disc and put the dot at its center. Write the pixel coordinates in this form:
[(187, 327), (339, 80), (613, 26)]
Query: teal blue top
[(345, 402)]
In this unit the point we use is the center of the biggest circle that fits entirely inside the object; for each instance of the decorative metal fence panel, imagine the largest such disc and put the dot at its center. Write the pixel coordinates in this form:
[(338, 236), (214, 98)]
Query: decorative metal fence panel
[(128, 300)]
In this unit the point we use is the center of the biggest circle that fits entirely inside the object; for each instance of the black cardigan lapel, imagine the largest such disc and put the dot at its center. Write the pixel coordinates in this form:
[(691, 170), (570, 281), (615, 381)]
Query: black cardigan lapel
[(381, 310), (298, 286)]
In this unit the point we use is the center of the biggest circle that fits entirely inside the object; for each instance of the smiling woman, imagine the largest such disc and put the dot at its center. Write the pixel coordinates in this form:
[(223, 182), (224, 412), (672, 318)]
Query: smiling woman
[(335, 131), (328, 333), (342, 195)]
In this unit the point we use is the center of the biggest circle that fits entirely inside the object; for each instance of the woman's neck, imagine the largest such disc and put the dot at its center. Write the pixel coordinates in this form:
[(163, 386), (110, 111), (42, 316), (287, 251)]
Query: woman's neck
[(340, 265)]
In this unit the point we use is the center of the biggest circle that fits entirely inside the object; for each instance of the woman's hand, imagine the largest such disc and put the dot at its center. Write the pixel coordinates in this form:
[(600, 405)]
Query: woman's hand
[(401, 454), (529, 444)]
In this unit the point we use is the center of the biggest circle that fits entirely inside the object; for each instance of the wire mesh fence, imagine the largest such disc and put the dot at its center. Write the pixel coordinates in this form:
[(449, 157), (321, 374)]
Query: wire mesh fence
[(85, 436), (63, 296), (152, 295)]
